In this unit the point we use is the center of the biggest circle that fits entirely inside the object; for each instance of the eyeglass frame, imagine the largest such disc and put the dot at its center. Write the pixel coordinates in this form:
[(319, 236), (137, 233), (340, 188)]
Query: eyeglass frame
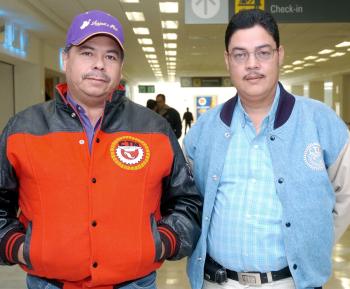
[(258, 58)]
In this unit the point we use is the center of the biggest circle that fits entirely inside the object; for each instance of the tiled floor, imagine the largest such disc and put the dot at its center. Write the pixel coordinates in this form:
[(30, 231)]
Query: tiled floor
[(173, 276)]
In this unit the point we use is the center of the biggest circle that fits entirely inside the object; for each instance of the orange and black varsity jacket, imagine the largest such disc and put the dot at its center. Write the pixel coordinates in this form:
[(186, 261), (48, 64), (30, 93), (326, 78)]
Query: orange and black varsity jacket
[(96, 217)]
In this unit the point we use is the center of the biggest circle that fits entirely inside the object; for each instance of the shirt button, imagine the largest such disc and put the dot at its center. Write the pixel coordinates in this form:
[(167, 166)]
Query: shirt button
[(81, 141), (280, 180), (272, 137), (288, 225), (95, 264), (199, 259), (227, 134), (93, 180), (94, 223), (215, 177), (73, 115)]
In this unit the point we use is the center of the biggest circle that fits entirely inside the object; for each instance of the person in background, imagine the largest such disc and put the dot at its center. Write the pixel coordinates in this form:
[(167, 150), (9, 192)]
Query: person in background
[(170, 114), (188, 118), (151, 104), (274, 170), (94, 189)]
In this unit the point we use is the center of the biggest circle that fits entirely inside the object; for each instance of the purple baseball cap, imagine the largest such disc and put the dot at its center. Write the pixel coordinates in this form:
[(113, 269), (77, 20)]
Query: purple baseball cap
[(92, 23)]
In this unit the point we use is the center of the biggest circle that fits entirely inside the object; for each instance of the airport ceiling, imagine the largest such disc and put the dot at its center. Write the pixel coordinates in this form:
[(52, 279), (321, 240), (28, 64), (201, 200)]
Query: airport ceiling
[(199, 47)]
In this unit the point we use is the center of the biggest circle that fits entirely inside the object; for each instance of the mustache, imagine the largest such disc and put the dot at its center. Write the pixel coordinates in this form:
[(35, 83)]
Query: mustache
[(98, 75), (253, 75)]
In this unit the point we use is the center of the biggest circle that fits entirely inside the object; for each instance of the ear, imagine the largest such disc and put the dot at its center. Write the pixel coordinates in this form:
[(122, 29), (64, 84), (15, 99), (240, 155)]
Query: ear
[(227, 60), (64, 60), (280, 55)]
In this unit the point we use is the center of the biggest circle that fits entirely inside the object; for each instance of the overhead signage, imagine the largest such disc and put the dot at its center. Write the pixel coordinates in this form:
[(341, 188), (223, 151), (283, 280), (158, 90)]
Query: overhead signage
[(206, 11), (213, 81), (298, 11), (146, 89)]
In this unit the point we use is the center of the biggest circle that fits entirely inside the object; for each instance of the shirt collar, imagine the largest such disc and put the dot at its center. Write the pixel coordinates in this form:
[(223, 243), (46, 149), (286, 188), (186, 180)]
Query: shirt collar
[(270, 117)]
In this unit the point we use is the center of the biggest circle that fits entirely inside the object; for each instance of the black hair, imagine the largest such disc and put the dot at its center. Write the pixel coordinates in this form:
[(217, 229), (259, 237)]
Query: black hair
[(151, 104), (249, 18), (162, 96)]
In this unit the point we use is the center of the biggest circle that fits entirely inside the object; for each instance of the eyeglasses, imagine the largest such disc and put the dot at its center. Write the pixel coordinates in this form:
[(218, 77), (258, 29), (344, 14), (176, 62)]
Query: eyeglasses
[(241, 56)]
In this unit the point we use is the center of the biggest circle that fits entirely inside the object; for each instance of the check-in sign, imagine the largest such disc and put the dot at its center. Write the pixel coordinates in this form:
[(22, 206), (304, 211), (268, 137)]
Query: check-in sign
[(298, 11), (206, 11)]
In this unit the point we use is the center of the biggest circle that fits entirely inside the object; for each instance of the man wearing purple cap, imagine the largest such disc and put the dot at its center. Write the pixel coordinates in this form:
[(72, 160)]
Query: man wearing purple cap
[(94, 189)]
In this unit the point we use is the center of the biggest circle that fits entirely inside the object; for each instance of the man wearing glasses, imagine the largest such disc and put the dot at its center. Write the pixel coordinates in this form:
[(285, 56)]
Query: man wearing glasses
[(274, 172)]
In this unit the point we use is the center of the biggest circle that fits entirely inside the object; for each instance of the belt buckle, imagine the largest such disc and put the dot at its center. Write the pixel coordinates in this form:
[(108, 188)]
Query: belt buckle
[(246, 278)]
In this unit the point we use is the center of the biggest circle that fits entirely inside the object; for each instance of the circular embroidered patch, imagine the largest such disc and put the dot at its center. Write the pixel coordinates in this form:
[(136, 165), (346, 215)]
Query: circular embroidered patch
[(130, 153), (313, 157)]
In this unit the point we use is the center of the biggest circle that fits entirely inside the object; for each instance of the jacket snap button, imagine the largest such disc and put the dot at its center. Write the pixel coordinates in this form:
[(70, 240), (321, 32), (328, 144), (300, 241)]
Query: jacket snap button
[(97, 140), (93, 180), (73, 115), (272, 137), (94, 223), (295, 266), (280, 180), (288, 225), (95, 264)]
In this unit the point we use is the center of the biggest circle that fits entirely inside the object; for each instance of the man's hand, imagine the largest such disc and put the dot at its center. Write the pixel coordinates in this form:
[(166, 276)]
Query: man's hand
[(20, 254)]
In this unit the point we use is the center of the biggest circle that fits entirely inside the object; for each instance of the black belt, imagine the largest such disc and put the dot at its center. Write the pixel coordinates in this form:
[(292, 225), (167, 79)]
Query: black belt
[(257, 277), (214, 272)]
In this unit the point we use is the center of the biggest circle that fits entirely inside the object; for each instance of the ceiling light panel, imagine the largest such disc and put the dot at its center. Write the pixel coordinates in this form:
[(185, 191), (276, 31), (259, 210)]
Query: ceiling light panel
[(130, 1), (141, 30), (325, 51), (148, 49), (321, 60), (169, 7), (170, 52), (343, 44), (169, 36), (169, 24), (145, 41), (310, 57), (135, 16), (170, 45), (171, 58), (297, 62), (337, 54), (151, 56)]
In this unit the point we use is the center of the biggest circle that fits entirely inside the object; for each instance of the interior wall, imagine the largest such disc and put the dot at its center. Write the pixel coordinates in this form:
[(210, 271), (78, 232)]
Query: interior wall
[(181, 97)]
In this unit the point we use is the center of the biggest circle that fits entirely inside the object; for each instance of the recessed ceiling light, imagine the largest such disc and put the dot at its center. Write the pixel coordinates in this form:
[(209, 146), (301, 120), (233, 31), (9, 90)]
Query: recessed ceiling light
[(343, 44), (308, 64), (337, 54), (169, 7), (169, 24), (325, 51), (145, 41), (170, 52), (289, 71), (287, 66), (141, 30), (297, 62), (155, 65), (151, 56), (169, 36), (130, 1), (135, 16), (171, 58), (170, 45), (321, 60), (298, 68), (310, 57), (152, 60), (171, 63), (148, 49)]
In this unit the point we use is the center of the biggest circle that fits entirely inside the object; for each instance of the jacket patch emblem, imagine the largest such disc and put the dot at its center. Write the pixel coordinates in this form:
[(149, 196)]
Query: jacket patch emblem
[(130, 153), (313, 157)]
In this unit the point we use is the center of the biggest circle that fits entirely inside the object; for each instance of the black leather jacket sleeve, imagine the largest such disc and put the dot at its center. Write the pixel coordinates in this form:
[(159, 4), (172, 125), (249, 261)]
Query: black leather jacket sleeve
[(10, 240), (181, 207)]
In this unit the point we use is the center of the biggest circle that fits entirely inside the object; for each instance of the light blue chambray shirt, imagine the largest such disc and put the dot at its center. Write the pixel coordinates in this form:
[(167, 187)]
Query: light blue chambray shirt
[(245, 233)]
